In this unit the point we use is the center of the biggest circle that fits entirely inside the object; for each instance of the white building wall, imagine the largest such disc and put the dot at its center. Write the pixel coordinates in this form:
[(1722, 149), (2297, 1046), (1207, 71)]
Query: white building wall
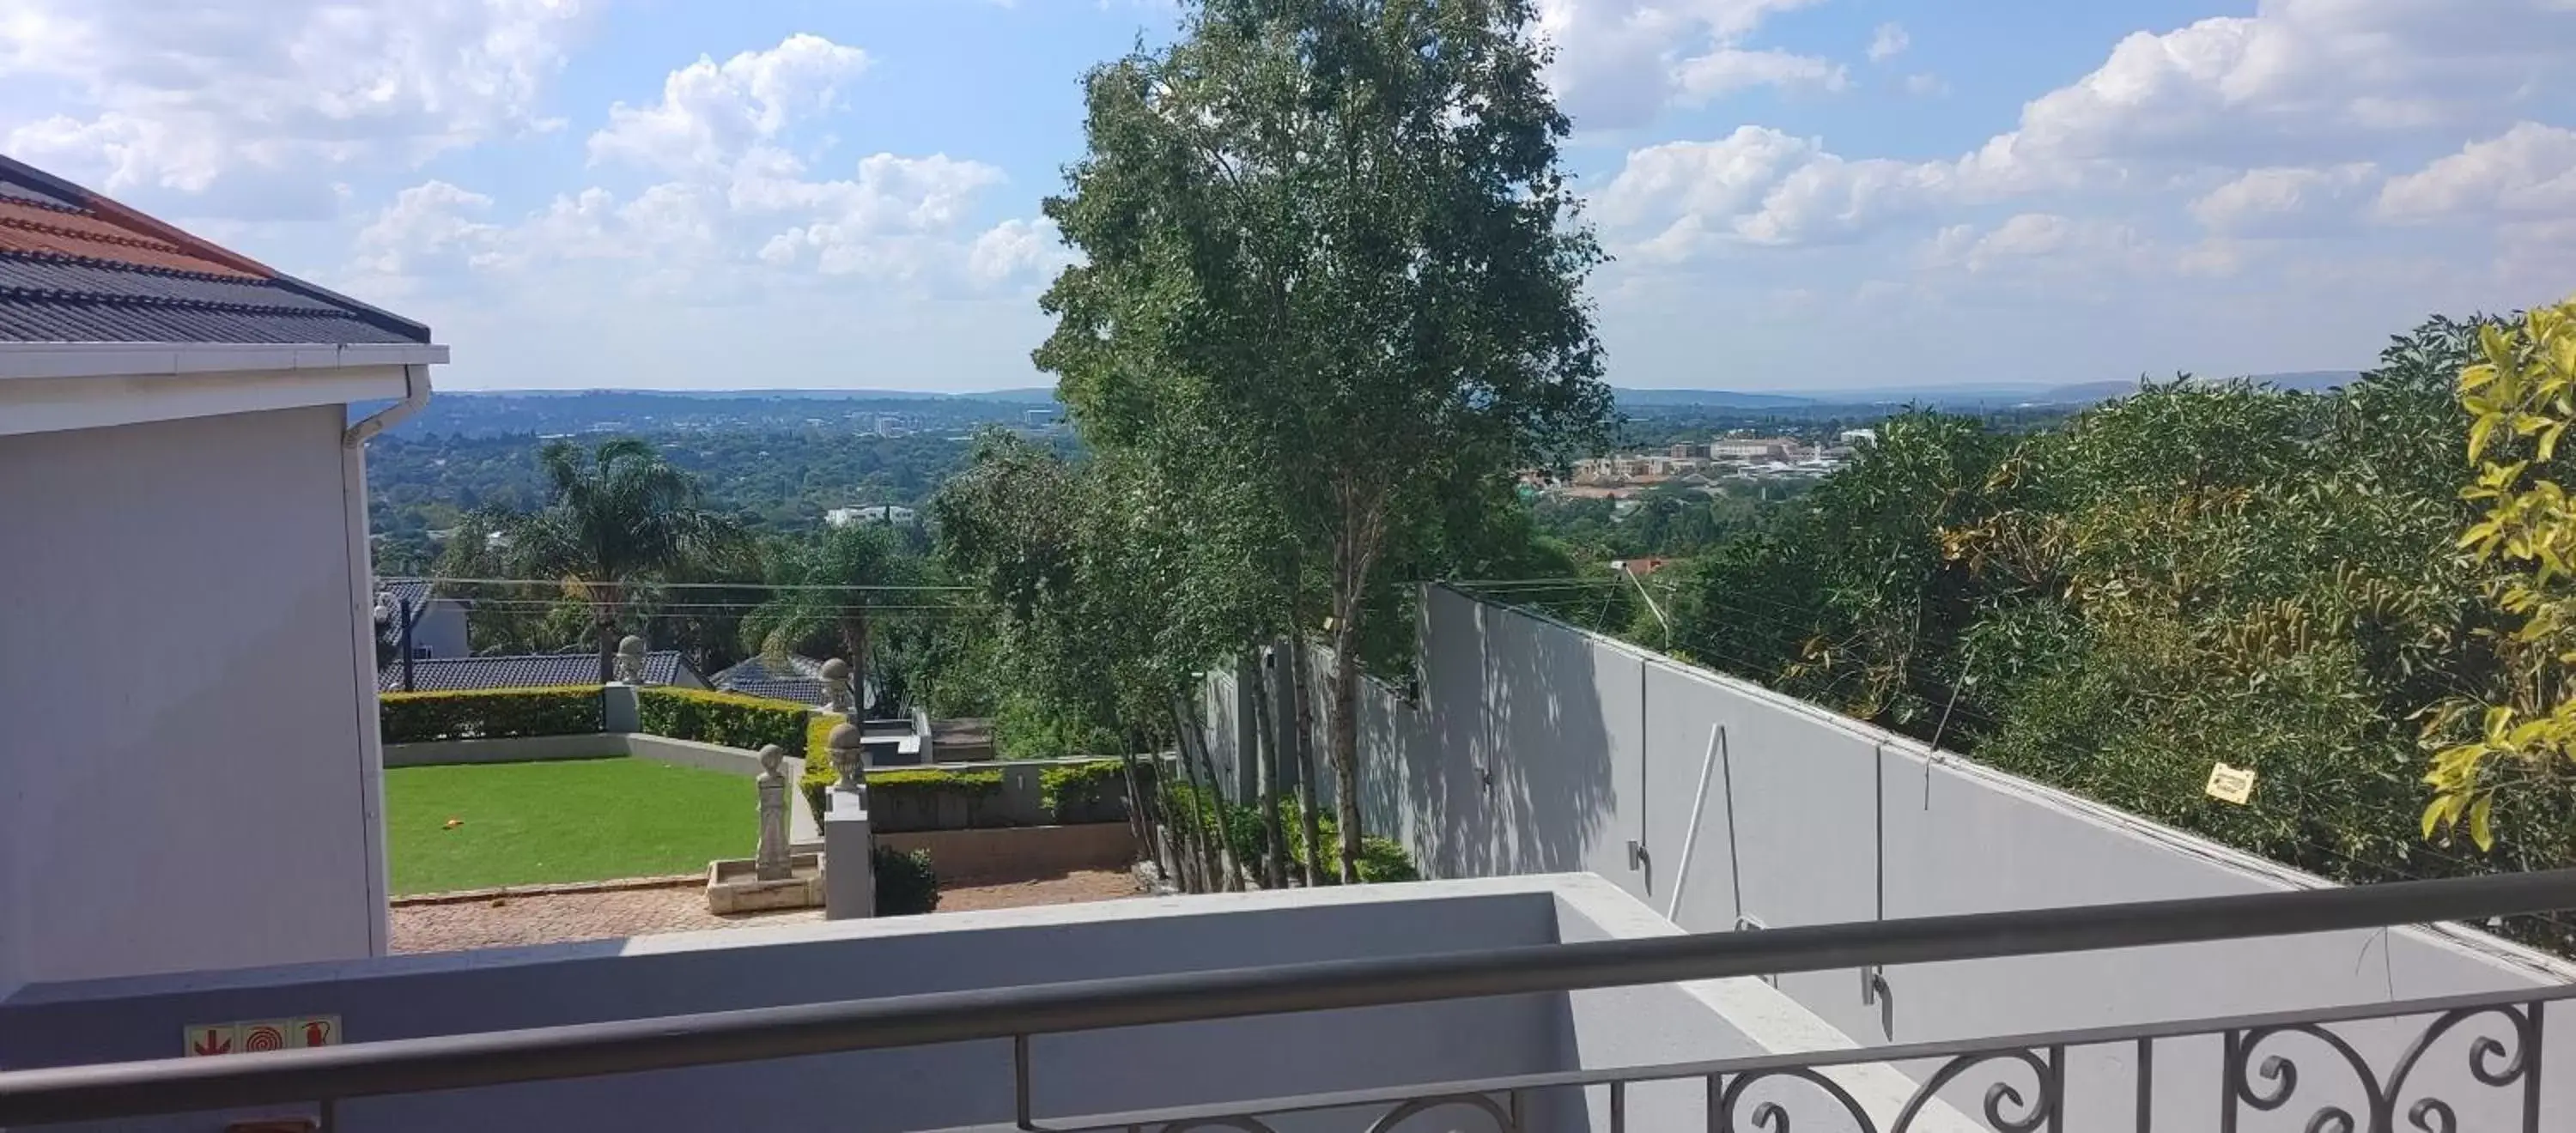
[(187, 765), (1535, 747)]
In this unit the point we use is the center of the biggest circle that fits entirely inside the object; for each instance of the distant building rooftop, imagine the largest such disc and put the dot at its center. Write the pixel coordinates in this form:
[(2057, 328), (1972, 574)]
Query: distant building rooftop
[(527, 670)]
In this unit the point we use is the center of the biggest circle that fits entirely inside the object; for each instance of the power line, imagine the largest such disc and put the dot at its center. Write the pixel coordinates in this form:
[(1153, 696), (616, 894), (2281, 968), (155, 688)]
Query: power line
[(436, 580)]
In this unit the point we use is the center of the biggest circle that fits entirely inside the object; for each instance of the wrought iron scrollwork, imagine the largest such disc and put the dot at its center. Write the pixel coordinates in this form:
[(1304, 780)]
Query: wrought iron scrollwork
[(1503, 1122), (2492, 1061), (1771, 1116), (2008, 1107), (2297, 1070)]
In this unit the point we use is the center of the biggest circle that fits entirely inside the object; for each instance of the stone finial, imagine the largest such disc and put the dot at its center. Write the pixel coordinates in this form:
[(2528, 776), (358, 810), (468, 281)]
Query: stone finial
[(630, 660), (769, 858), (847, 757), (836, 688)]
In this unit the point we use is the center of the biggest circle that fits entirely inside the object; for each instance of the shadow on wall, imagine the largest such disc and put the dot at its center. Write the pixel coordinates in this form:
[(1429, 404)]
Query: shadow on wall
[(1510, 726)]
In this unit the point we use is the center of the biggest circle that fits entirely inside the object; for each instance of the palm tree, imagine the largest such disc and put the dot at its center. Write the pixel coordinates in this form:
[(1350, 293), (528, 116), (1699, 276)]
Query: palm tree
[(619, 514), (819, 598)]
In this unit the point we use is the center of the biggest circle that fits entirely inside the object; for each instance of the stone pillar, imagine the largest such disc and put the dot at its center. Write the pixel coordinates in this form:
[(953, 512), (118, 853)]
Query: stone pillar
[(849, 857), (769, 858), (837, 697), (849, 842), (619, 711)]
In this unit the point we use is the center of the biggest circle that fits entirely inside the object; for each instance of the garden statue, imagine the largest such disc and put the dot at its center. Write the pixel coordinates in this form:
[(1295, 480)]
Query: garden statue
[(846, 756), (630, 660), (837, 697), (770, 857)]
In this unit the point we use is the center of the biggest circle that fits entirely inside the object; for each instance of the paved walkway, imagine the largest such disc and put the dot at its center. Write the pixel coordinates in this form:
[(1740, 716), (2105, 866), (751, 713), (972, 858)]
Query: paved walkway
[(557, 917)]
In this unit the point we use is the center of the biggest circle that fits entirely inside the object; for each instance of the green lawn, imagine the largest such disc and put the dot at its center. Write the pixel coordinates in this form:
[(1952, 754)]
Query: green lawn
[(562, 820)]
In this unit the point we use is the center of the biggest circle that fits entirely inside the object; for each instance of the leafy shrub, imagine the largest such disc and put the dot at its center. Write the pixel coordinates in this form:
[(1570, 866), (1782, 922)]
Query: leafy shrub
[(906, 884), (412, 717), (733, 720), (819, 774), (1087, 792), (1381, 859)]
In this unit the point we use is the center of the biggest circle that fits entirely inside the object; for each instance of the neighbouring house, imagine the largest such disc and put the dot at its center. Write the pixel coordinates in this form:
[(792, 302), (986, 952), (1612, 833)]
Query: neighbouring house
[(437, 623), (879, 513), (183, 509), (528, 670), (795, 677)]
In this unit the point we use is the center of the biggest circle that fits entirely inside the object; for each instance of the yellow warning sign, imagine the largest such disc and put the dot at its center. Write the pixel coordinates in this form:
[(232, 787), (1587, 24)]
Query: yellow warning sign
[(2231, 784)]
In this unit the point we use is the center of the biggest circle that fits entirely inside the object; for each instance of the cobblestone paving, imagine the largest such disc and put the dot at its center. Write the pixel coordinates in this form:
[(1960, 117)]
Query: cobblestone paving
[(557, 917)]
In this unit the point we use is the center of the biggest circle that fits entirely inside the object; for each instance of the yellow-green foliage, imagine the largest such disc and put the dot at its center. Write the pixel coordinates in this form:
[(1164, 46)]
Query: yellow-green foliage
[(2521, 399), (730, 719), (484, 714)]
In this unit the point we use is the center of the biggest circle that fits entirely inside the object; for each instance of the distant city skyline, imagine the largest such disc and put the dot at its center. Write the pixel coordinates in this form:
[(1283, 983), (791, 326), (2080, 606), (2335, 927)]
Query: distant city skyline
[(1804, 196)]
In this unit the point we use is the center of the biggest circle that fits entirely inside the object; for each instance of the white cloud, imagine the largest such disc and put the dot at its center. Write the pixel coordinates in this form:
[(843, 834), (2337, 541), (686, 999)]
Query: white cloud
[(1757, 186), (1888, 42), (195, 98), (1018, 248), (2287, 201), (2332, 80), (1621, 62), (424, 223), (2223, 108), (1727, 70), (743, 210), (1926, 85), (711, 114), (2528, 171), (2030, 239)]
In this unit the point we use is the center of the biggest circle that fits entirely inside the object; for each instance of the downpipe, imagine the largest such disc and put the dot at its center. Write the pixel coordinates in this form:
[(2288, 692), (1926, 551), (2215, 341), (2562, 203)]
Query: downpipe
[(415, 395)]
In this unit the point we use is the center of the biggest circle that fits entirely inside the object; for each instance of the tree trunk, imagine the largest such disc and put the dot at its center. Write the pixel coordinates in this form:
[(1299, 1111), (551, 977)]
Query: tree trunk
[(606, 631), (855, 632), (1202, 855), (1302, 692), (1265, 752), (1346, 742), (1212, 804)]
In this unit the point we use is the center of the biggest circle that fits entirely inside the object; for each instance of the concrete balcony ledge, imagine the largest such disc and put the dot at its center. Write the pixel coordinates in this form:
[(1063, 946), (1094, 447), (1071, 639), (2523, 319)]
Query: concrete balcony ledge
[(968, 1084)]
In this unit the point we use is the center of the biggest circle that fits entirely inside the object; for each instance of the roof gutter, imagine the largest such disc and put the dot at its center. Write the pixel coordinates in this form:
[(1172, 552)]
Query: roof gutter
[(415, 395)]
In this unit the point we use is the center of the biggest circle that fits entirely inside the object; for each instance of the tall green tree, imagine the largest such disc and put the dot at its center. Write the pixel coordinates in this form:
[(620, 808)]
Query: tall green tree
[(1330, 259), (616, 515), (827, 586)]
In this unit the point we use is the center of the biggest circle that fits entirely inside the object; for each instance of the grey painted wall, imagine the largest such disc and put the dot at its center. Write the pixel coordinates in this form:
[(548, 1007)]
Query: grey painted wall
[(954, 1084), (1537, 747), (182, 604)]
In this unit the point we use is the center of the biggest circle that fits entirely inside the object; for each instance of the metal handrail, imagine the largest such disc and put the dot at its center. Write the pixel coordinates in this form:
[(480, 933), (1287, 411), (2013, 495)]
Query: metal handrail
[(447, 1062), (1820, 1059)]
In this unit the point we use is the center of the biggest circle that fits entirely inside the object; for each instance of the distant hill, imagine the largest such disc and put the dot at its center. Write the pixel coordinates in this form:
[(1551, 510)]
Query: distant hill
[(1706, 398), (2305, 381)]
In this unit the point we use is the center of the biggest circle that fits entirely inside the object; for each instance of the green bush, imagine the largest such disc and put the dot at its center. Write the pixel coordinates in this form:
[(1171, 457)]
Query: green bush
[(1381, 859), (746, 722), (1087, 792), (905, 882), (818, 775), (488, 714)]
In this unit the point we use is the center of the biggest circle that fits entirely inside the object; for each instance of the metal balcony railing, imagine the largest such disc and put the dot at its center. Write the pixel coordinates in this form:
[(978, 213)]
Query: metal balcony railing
[(2259, 1065)]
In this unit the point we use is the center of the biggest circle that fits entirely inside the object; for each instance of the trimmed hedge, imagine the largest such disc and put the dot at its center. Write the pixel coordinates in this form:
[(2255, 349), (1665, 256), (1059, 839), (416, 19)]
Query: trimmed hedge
[(489, 714), (725, 718), (1088, 792)]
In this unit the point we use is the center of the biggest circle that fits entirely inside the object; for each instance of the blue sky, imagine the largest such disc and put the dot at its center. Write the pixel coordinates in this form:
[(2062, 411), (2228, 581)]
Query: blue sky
[(1802, 194)]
